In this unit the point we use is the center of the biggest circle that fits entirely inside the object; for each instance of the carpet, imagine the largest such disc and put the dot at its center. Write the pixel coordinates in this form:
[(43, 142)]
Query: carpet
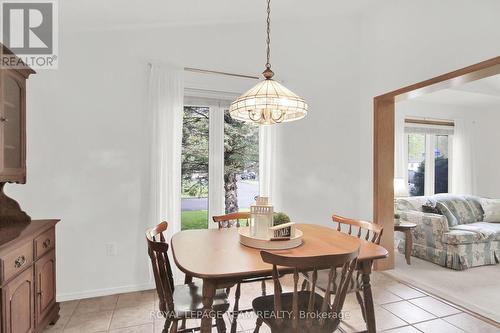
[(476, 289)]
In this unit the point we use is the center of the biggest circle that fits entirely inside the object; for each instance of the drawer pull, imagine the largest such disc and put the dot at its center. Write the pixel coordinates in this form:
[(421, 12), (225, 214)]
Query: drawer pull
[(20, 261), (46, 243)]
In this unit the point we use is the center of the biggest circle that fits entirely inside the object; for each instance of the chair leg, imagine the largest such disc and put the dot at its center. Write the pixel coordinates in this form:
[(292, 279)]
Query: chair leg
[(221, 325), (361, 304), (173, 328), (305, 285), (166, 326), (263, 287), (258, 324), (183, 324), (236, 308)]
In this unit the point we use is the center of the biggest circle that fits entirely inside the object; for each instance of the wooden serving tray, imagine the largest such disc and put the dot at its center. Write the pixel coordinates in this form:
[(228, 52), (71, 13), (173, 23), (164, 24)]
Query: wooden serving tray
[(266, 244)]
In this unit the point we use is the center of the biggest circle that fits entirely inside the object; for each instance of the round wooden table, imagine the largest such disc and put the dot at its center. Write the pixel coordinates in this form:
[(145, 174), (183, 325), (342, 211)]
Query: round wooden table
[(407, 228), (217, 257)]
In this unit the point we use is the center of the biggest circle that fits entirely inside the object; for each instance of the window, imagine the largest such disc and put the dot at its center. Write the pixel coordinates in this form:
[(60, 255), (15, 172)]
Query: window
[(220, 163), (195, 136), (428, 150), (241, 164)]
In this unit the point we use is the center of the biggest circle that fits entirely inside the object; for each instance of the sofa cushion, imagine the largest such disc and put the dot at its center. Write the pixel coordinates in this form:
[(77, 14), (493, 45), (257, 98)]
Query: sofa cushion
[(456, 209), (491, 208), (479, 232)]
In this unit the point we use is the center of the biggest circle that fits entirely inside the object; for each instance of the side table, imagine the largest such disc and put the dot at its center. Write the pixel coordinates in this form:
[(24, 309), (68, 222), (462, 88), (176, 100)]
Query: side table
[(407, 228)]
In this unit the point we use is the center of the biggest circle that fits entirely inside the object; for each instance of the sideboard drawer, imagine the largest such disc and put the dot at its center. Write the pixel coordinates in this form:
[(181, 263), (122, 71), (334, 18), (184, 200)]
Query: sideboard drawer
[(45, 242), (16, 261)]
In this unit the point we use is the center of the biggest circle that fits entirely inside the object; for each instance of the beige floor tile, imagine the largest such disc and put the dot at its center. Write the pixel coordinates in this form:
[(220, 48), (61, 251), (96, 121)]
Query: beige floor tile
[(353, 322), (246, 321), (404, 291), (89, 322), (350, 303), (386, 320), (97, 304), (382, 296), (68, 307), (404, 329), (471, 324), (437, 325), (147, 328), (136, 299), (59, 325), (408, 312), (131, 316), (432, 305)]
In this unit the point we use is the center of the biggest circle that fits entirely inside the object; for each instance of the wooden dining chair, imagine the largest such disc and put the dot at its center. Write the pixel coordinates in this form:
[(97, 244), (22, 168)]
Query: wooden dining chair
[(306, 311), (179, 302), (229, 221), (360, 229)]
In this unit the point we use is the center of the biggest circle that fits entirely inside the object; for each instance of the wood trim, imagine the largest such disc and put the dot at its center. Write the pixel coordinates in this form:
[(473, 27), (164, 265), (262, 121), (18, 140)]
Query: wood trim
[(455, 78), (383, 150), (430, 122)]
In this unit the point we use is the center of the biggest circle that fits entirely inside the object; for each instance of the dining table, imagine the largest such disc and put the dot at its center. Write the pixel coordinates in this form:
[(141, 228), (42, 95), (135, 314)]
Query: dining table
[(217, 257)]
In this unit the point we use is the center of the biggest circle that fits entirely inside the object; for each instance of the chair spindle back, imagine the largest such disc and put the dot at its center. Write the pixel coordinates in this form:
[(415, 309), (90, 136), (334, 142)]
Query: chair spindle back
[(348, 263), (158, 253), (369, 229), (232, 219)]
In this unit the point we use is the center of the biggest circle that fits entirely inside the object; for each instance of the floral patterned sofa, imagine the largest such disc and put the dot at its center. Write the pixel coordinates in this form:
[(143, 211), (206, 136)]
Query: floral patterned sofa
[(455, 235)]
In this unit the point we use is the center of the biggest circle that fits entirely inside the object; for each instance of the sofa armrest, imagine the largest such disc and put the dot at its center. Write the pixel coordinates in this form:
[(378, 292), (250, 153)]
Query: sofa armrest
[(430, 227)]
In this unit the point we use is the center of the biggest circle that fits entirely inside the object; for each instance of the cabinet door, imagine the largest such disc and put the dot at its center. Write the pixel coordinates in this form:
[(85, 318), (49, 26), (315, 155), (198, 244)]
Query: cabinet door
[(12, 123), (45, 285), (18, 302)]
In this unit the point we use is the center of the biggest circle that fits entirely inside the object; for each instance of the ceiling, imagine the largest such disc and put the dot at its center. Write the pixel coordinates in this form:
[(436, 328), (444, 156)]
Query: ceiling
[(480, 93), (113, 14)]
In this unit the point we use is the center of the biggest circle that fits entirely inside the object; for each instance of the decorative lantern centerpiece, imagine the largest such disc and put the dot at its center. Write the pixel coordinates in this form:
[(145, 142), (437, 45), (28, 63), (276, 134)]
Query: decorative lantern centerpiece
[(262, 234), (261, 218)]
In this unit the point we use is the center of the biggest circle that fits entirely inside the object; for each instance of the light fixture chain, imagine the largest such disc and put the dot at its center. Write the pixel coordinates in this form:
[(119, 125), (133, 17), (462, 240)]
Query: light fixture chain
[(268, 40)]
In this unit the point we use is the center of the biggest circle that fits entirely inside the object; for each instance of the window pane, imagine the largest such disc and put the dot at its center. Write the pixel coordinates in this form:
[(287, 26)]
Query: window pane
[(441, 164), (241, 164), (416, 163), (195, 168)]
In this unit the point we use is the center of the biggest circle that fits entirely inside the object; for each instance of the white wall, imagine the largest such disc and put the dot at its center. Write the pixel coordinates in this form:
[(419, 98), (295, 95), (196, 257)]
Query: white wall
[(86, 133)]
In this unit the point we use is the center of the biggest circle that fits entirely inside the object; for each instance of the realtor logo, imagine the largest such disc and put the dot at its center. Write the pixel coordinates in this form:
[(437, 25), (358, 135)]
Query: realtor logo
[(29, 29)]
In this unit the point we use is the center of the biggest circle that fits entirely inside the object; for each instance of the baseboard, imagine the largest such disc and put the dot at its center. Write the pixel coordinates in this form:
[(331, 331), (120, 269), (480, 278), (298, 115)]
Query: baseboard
[(103, 292)]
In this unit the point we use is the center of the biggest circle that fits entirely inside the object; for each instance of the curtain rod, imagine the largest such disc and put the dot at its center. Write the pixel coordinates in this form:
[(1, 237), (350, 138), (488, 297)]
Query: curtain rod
[(430, 122), (207, 71)]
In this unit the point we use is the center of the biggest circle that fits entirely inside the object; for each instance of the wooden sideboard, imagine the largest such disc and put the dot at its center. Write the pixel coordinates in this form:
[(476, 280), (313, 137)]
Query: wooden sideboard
[(27, 248), (27, 276)]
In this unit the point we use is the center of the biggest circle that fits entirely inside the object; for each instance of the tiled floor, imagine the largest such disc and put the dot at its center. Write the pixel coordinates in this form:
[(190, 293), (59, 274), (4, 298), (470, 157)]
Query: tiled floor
[(398, 307)]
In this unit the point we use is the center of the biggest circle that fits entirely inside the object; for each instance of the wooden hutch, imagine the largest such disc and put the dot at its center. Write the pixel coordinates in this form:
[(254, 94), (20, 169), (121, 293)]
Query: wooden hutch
[(27, 247)]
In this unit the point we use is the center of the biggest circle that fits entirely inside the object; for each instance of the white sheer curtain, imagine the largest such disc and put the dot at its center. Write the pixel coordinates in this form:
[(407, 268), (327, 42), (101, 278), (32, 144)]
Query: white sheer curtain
[(462, 158), (165, 110), (399, 148), (267, 149)]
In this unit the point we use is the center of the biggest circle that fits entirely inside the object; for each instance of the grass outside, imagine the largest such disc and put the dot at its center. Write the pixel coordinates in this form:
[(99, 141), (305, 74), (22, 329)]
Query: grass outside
[(194, 219), (197, 219)]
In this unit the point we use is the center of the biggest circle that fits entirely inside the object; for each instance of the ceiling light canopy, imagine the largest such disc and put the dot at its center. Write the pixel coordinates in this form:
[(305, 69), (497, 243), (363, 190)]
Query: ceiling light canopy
[(268, 102)]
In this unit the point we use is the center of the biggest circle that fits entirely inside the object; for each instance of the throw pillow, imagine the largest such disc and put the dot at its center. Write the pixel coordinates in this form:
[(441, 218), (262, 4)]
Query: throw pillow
[(459, 207), (491, 209), (430, 207), (444, 210)]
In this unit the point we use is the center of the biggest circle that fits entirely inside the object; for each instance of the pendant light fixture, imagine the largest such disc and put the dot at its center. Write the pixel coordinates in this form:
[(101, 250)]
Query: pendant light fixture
[(268, 102)]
